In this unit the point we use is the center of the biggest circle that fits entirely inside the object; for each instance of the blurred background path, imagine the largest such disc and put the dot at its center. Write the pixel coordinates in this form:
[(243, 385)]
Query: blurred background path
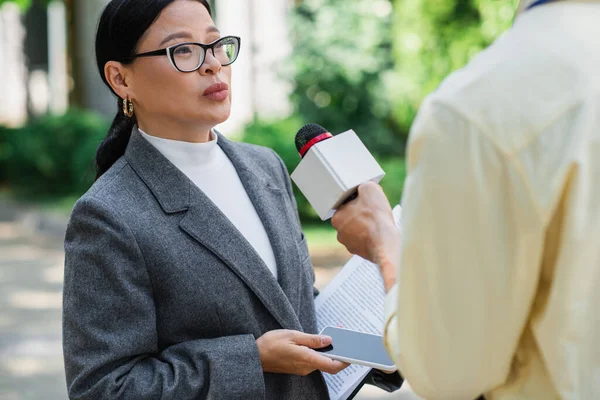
[(31, 272)]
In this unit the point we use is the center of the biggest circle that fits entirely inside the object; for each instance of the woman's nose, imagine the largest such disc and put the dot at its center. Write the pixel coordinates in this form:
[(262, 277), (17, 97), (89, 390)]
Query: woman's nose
[(211, 65)]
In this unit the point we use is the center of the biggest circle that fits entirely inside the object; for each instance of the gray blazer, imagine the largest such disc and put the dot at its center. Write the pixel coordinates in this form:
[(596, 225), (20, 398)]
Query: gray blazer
[(164, 298)]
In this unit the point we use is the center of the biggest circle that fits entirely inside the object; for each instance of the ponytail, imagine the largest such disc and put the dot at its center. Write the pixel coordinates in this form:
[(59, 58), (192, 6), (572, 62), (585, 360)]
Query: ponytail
[(113, 146)]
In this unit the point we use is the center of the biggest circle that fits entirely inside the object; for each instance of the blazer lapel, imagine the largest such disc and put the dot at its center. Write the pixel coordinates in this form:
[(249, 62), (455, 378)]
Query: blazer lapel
[(269, 202), (205, 223)]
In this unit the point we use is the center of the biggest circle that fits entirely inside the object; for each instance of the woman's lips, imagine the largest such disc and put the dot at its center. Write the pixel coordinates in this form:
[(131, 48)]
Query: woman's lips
[(219, 91)]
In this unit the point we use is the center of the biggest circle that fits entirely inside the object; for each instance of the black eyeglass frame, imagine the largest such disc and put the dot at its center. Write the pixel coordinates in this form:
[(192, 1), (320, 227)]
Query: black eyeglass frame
[(169, 51)]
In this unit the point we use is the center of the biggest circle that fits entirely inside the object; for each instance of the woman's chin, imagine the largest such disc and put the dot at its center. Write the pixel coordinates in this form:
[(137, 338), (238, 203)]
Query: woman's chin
[(212, 115), (220, 118)]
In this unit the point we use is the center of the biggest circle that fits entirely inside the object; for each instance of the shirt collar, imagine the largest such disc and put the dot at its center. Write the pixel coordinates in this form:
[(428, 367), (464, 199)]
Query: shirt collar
[(185, 155)]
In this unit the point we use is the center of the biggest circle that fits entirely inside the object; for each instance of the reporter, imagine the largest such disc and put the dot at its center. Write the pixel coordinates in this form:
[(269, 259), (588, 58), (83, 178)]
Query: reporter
[(498, 286)]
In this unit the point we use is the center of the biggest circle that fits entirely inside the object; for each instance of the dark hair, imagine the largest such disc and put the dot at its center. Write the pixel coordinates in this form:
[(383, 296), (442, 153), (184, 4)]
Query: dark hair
[(122, 25)]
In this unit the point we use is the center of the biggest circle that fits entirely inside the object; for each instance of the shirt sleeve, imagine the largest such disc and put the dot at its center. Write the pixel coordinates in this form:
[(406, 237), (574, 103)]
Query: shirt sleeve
[(470, 260)]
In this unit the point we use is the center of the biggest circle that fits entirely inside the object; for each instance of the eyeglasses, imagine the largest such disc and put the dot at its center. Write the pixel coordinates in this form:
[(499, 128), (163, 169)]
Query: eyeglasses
[(189, 56)]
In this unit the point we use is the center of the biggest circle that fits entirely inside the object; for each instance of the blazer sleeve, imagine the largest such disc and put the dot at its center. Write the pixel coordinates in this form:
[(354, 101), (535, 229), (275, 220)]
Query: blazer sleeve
[(110, 338)]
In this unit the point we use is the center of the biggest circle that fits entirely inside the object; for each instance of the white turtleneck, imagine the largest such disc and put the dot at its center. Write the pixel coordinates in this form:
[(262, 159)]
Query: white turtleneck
[(209, 168)]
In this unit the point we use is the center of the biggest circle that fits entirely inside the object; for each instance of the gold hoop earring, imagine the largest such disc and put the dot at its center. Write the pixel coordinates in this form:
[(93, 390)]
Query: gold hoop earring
[(128, 107)]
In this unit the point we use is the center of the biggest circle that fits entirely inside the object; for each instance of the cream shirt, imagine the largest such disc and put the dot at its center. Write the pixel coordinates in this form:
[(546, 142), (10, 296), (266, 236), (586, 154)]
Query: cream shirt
[(499, 281)]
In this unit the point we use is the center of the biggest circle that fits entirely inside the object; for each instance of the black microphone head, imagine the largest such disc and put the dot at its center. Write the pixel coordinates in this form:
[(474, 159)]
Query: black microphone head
[(307, 133)]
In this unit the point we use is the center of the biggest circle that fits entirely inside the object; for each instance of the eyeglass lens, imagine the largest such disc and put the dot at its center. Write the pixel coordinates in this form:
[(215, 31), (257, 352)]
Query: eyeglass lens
[(189, 57)]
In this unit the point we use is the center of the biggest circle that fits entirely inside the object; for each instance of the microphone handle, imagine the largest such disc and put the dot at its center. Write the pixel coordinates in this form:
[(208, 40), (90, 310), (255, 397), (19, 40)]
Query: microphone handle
[(353, 196)]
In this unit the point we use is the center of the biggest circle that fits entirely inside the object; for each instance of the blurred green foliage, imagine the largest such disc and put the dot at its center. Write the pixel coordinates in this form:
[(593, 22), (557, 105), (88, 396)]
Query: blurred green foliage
[(342, 53), (368, 64), (4, 153), (433, 38), (51, 156), (21, 3), (25, 4)]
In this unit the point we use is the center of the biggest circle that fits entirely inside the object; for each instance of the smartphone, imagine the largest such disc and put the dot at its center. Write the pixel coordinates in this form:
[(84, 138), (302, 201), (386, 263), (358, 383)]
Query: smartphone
[(357, 348)]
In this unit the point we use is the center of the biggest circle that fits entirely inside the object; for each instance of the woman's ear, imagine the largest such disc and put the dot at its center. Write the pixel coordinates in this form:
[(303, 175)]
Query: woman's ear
[(117, 77)]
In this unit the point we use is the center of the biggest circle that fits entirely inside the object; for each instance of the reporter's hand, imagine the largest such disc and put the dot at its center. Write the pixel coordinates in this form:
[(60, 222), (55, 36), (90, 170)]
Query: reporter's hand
[(366, 227), (291, 352)]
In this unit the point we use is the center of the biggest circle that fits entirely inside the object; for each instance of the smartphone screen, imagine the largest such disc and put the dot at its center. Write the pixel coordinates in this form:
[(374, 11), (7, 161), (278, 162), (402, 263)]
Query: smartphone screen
[(362, 348)]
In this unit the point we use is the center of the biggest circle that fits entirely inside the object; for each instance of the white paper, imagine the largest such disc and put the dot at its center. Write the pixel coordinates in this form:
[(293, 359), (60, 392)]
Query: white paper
[(354, 299)]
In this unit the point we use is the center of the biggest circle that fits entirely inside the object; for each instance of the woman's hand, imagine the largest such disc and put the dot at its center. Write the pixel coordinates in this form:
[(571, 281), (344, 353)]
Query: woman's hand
[(291, 352)]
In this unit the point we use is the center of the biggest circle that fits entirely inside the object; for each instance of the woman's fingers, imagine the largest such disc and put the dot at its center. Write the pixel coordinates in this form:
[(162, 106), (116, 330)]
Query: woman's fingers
[(311, 341), (291, 352), (325, 364)]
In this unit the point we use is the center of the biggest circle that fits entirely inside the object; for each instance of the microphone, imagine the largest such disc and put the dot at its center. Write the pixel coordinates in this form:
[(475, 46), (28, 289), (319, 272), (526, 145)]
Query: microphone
[(332, 168)]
